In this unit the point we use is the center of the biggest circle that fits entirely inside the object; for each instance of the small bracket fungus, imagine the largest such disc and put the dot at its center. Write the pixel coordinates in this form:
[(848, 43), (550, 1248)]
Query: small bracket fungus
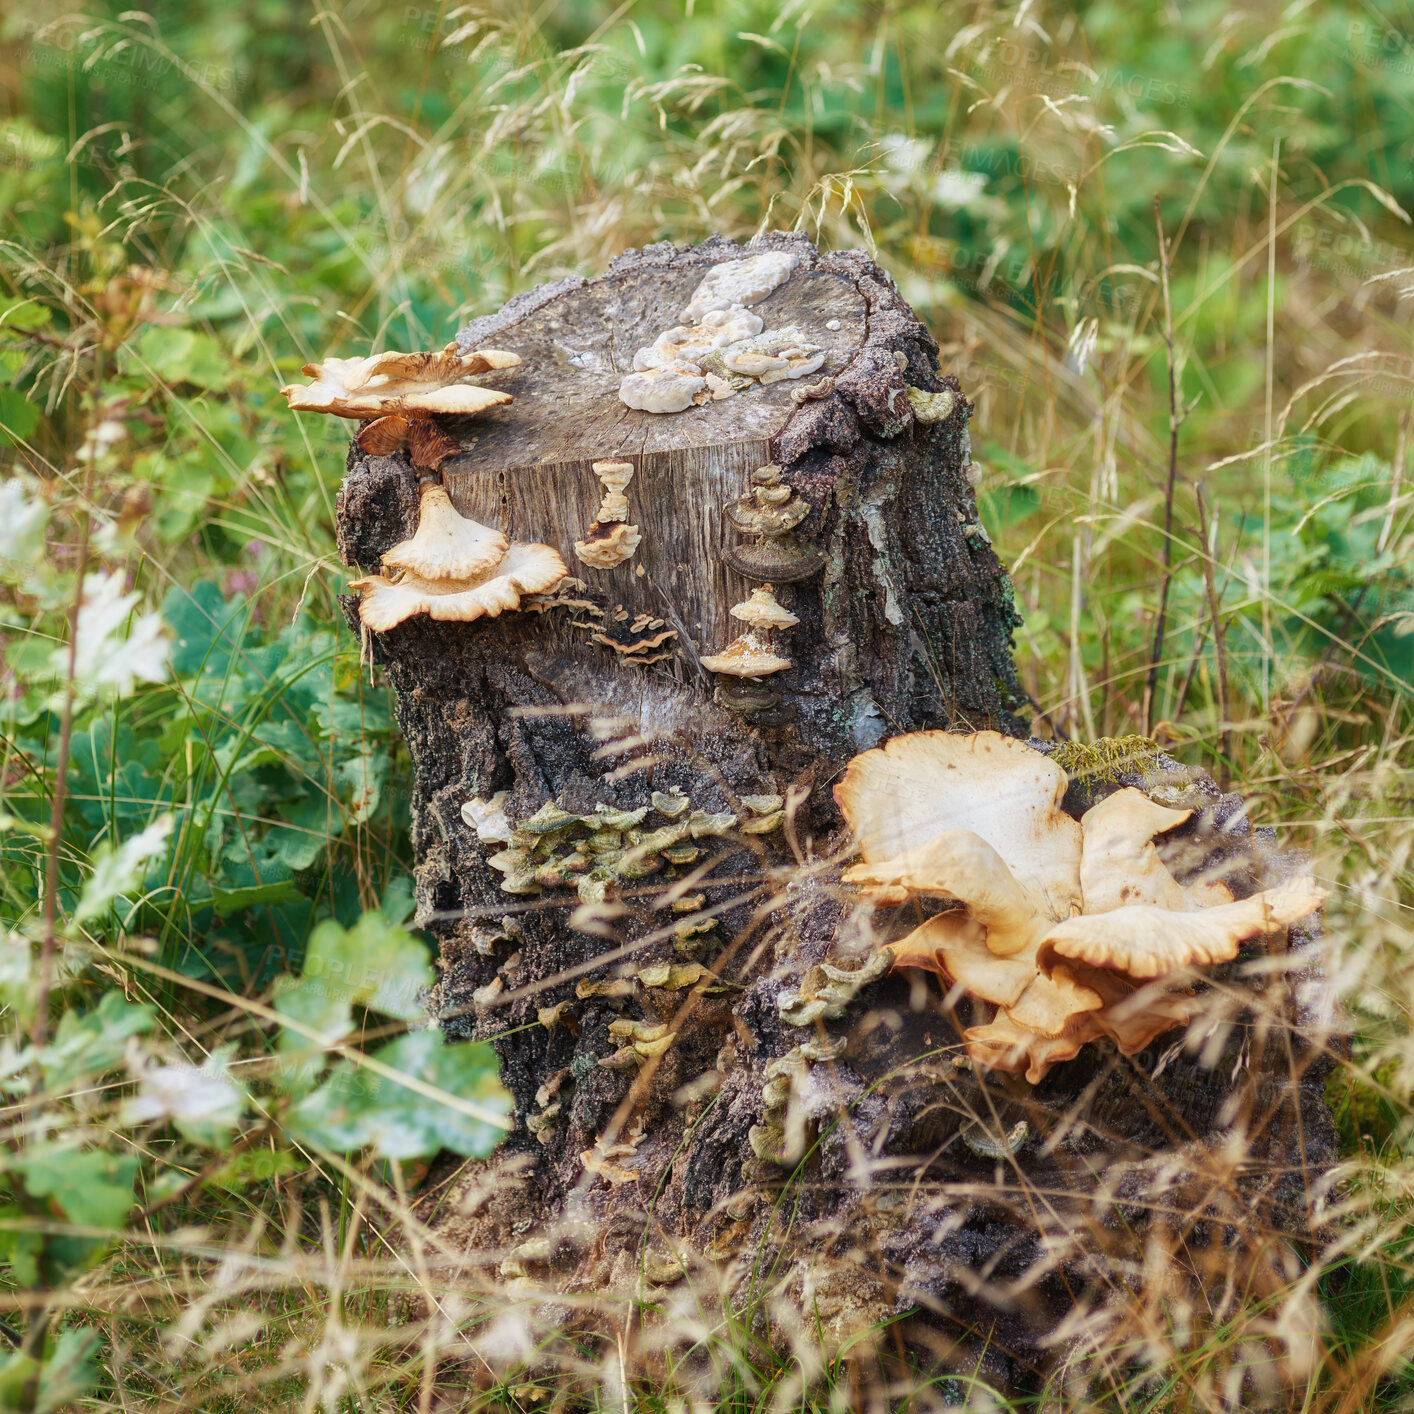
[(446, 545), (454, 569), (610, 540), (406, 383), (1074, 931), (929, 408), (751, 655), (770, 511), (640, 641)]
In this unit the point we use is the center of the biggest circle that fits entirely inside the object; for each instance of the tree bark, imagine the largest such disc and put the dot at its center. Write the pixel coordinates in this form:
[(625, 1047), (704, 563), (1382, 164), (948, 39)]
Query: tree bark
[(868, 1174)]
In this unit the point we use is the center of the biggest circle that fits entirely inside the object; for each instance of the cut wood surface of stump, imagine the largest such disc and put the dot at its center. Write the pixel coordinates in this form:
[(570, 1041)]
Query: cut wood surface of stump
[(631, 863)]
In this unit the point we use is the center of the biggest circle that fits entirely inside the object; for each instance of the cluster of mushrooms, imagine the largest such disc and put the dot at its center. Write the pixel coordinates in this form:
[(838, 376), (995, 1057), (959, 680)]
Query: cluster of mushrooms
[(1073, 930), (722, 348), (452, 568)]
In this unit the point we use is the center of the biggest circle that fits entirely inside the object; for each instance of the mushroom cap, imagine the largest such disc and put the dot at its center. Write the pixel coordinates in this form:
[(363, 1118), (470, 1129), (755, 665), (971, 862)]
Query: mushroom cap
[(961, 865), (1003, 1045), (614, 506), (763, 611), (909, 791), (779, 561), (446, 545), (525, 569), (686, 343), (929, 408), (614, 475), (1049, 1005), (745, 657), (753, 516), (428, 383), (1119, 864), (661, 390), (1136, 1020), (608, 544), (384, 435), (954, 945), (1144, 941)]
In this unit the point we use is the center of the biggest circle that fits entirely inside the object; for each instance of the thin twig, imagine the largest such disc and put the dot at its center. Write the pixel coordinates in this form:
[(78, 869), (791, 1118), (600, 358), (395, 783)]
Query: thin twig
[(1151, 685), (1215, 612), (60, 798)]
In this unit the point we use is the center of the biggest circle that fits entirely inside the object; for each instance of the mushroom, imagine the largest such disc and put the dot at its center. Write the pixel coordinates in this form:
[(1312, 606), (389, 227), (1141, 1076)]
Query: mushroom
[(721, 347), (762, 611), (929, 408), (524, 569), (403, 393), (746, 657), (751, 655), (1074, 931), (406, 383), (770, 510), (446, 545), (671, 389), (740, 282), (610, 541)]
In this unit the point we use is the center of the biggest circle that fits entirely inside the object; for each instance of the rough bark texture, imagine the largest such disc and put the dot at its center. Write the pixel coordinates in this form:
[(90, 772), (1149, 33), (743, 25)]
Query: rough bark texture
[(871, 1175)]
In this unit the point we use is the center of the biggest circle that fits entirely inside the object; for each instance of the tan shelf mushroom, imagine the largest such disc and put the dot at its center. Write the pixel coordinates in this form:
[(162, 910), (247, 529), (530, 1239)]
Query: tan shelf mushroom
[(525, 569), (454, 569), (610, 540), (401, 383), (752, 655), (1075, 931), (403, 394), (446, 544), (769, 512), (746, 657)]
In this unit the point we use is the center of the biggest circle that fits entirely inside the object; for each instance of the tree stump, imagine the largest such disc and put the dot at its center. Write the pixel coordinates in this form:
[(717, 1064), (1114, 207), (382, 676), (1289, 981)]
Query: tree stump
[(687, 1117)]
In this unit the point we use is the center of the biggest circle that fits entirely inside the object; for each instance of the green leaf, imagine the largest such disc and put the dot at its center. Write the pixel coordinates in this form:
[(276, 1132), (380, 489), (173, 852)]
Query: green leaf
[(88, 1187), (87, 1044), (183, 356), (256, 1166), (356, 1109), (207, 628), (70, 1370), (18, 417), (376, 964), (116, 871)]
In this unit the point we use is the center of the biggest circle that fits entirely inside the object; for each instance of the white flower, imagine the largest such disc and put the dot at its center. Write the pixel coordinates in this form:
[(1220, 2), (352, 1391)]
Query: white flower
[(23, 517), (904, 154), (105, 657), (204, 1104), (957, 189)]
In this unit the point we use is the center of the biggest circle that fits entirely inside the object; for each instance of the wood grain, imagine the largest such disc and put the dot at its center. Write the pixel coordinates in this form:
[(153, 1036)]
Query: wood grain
[(525, 468)]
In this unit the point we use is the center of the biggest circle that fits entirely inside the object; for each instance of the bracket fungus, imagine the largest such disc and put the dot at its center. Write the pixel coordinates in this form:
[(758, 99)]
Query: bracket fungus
[(751, 655), (454, 569), (403, 394), (770, 511), (610, 540), (1074, 930), (406, 383)]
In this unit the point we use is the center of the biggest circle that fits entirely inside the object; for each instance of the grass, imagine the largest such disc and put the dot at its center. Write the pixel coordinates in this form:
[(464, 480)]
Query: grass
[(199, 200)]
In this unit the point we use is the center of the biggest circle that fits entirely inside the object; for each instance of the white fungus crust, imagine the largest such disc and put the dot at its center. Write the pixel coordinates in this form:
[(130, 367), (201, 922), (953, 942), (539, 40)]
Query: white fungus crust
[(741, 282), (721, 348)]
